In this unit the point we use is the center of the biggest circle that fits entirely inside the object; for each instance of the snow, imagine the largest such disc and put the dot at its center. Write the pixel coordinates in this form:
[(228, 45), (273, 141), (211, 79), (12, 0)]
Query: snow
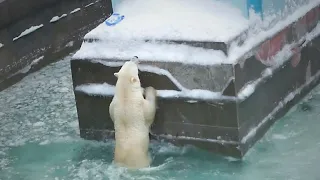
[(97, 89), (57, 18), (35, 61), (125, 40), (218, 140), (279, 59), (106, 89), (247, 90), (177, 20), (89, 4), (70, 44), (156, 70), (280, 105), (27, 68), (28, 31), (313, 34), (1, 45), (145, 68), (148, 51), (75, 10), (254, 39)]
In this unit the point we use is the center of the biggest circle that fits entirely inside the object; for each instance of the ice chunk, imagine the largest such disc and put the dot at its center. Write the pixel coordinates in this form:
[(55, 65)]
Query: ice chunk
[(1, 45)]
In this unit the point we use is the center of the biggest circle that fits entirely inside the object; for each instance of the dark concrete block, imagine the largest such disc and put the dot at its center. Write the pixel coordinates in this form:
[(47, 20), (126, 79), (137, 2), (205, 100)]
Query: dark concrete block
[(228, 125)]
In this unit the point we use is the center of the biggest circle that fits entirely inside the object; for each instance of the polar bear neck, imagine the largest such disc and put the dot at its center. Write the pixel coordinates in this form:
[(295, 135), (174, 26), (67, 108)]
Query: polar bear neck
[(125, 89)]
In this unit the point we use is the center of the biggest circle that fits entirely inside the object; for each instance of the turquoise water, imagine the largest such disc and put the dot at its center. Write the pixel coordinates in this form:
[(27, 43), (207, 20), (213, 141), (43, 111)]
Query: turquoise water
[(39, 140)]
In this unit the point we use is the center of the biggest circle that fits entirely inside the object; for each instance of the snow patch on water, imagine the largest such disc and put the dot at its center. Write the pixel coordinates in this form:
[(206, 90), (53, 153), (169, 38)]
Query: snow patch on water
[(28, 31)]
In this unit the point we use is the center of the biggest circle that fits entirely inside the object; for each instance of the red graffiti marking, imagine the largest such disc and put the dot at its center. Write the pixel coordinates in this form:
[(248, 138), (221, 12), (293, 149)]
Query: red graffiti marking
[(271, 47), (312, 18)]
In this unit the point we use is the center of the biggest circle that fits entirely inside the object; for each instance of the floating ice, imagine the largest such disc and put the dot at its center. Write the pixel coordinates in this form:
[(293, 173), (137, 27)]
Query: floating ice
[(57, 18), (28, 31), (1, 45)]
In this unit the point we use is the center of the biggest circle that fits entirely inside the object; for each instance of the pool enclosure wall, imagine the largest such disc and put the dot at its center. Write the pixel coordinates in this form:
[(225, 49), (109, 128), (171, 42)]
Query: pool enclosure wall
[(34, 33)]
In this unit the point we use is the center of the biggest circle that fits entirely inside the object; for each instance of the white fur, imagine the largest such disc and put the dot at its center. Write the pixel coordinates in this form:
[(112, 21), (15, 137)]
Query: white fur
[(132, 116)]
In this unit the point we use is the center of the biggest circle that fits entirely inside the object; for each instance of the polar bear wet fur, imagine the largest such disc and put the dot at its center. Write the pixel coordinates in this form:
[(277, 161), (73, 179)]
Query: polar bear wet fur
[(132, 115)]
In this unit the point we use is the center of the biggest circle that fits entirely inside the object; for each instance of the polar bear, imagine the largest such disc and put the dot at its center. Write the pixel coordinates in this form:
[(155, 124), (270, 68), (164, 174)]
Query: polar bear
[(132, 115)]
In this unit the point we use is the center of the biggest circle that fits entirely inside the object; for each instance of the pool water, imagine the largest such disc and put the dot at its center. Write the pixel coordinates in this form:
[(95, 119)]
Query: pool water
[(39, 140)]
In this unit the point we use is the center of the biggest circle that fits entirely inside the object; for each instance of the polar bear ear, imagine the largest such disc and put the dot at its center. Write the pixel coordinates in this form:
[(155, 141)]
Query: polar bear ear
[(133, 79), (116, 74)]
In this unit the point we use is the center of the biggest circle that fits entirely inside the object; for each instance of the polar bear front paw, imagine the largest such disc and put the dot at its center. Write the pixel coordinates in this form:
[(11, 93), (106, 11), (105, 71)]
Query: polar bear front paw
[(150, 93)]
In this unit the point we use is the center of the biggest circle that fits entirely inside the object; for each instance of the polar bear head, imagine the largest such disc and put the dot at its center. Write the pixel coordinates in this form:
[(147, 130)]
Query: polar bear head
[(129, 74)]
